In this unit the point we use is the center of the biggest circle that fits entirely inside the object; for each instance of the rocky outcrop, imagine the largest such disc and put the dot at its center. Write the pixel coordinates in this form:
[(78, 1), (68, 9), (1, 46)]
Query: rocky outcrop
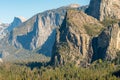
[(73, 43), (107, 44), (102, 9)]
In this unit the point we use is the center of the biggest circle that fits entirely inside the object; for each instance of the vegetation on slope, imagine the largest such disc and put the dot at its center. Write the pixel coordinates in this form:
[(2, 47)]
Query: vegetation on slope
[(93, 29), (108, 21)]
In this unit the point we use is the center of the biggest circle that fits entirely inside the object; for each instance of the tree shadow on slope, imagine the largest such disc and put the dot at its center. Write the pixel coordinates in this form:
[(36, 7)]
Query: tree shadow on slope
[(33, 65), (117, 73)]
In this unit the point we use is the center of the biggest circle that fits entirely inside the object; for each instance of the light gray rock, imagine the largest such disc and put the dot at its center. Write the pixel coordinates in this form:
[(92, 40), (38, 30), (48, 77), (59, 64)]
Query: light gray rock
[(3, 26), (39, 31), (73, 43), (102, 9), (36, 35)]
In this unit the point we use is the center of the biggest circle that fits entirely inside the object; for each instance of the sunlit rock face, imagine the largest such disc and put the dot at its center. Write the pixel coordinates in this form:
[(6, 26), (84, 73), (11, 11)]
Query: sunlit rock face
[(39, 31), (35, 35), (102, 9), (73, 42)]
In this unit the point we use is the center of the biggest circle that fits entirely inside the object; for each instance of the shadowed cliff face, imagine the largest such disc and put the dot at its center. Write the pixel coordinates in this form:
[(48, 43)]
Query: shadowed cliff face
[(46, 48), (106, 45), (29, 41), (38, 32), (94, 8)]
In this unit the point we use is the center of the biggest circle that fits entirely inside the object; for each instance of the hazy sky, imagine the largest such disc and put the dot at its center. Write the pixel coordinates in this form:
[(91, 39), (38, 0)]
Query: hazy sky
[(28, 8)]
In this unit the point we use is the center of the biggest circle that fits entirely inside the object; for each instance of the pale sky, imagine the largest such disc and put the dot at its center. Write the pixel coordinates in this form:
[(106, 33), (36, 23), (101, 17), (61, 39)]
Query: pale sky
[(27, 8)]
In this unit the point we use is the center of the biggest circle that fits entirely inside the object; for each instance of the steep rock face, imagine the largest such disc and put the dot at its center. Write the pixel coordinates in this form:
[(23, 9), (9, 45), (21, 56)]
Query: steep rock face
[(38, 33), (73, 43), (107, 43), (102, 9)]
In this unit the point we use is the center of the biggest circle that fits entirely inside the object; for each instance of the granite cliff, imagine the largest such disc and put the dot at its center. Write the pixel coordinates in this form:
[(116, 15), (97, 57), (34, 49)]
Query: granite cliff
[(86, 37), (73, 39), (102, 9), (35, 35)]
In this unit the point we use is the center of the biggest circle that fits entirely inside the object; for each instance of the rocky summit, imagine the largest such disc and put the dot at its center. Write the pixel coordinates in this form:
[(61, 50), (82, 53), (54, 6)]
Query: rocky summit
[(102, 9)]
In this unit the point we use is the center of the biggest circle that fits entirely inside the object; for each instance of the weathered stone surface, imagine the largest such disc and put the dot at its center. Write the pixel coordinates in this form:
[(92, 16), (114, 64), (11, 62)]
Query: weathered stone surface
[(114, 42), (38, 31), (34, 36), (102, 9), (73, 44), (107, 43)]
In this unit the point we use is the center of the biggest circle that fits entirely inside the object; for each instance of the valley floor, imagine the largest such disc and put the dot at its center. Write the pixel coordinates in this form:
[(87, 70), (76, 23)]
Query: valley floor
[(34, 71)]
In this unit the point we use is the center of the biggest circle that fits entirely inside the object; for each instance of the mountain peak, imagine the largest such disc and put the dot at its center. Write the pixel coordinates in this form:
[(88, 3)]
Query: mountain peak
[(16, 22), (22, 19), (74, 5)]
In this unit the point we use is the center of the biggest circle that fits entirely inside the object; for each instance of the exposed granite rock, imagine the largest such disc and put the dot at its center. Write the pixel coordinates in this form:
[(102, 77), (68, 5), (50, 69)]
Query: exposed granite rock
[(36, 35), (73, 44), (102, 9), (107, 43)]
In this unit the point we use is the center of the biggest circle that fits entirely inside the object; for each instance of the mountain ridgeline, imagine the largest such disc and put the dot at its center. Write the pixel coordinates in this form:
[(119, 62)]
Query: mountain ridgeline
[(86, 37), (70, 34), (35, 35)]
